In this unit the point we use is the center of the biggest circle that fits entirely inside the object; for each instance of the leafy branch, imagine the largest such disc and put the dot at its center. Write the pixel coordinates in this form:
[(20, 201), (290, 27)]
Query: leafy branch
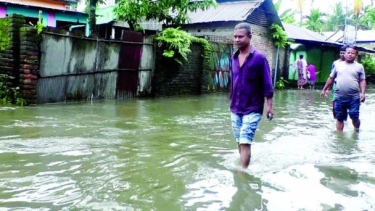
[(164, 11), (279, 36)]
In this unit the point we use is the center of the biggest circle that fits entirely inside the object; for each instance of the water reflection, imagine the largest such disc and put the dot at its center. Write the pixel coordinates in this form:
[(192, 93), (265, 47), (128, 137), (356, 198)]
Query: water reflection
[(248, 194)]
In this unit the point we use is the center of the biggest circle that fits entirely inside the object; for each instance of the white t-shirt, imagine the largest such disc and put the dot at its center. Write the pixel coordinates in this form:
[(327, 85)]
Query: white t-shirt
[(347, 77)]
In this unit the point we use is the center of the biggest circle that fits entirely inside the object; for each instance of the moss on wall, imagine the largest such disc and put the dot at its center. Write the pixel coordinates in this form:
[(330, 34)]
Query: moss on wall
[(4, 33)]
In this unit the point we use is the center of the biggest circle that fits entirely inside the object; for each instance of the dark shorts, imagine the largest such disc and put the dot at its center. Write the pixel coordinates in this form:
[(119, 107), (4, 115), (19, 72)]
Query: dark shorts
[(343, 105)]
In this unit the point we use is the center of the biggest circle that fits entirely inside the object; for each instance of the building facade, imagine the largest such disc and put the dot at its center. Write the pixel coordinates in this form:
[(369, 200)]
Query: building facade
[(53, 13)]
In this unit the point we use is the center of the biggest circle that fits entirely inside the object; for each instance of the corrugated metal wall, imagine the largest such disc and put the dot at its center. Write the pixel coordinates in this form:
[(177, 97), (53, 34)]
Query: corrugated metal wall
[(147, 66), (75, 68), (130, 59)]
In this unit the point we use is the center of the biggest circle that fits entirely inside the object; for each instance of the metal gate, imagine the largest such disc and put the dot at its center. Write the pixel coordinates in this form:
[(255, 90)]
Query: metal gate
[(129, 62)]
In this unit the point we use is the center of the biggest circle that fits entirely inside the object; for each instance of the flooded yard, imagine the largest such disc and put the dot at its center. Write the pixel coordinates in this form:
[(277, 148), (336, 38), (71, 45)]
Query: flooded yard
[(178, 153)]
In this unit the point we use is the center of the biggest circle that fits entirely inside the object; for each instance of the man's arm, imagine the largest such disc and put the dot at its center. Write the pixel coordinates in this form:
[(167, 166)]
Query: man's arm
[(328, 84), (362, 85), (267, 80), (362, 79), (267, 86)]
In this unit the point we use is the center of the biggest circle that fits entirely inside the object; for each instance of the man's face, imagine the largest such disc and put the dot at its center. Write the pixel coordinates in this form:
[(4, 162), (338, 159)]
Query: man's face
[(342, 55), (241, 38), (350, 54)]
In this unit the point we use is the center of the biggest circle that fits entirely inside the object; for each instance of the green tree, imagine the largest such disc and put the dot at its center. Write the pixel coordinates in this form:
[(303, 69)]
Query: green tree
[(91, 6), (336, 20), (369, 17), (314, 21), (287, 16), (165, 11)]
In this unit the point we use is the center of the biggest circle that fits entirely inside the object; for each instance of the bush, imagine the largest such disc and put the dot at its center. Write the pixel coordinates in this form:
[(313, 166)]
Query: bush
[(9, 94), (369, 64)]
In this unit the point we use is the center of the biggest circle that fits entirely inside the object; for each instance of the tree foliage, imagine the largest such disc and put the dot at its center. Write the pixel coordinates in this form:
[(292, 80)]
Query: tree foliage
[(286, 16), (90, 9), (279, 36), (176, 43), (315, 20), (166, 11), (369, 17)]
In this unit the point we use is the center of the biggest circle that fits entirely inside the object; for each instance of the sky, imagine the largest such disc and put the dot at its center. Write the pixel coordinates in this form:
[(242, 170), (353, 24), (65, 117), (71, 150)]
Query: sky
[(323, 5)]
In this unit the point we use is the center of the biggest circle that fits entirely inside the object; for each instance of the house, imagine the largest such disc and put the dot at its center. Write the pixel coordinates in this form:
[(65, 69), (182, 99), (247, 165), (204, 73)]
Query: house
[(315, 47), (364, 38), (110, 28), (217, 24), (54, 13)]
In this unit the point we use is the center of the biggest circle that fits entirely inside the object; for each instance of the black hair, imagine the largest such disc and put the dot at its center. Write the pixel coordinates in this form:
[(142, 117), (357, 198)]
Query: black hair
[(245, 26), (301, 56), (351, 46)]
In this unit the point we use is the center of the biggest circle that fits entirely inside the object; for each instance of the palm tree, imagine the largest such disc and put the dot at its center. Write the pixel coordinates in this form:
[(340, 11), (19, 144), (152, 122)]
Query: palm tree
[(314, 21), (369, 17), (357, 6), (286, 16), (336, 20)]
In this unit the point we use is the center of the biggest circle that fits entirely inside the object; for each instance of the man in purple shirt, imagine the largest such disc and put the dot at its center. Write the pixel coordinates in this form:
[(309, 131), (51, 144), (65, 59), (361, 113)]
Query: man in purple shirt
[(251, 84)]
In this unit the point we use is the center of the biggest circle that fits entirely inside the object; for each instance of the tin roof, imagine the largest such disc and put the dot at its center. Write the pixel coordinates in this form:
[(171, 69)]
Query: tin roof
[(363, 36), (300, 33), (228, 11)]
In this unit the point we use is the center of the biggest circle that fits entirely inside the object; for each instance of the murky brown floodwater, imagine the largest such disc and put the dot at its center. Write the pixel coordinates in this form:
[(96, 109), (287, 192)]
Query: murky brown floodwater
[(178, 153)]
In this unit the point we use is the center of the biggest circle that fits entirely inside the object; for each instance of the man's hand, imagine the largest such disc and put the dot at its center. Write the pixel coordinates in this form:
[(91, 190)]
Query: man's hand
[(269, 112), (323, 93), (362, 97)]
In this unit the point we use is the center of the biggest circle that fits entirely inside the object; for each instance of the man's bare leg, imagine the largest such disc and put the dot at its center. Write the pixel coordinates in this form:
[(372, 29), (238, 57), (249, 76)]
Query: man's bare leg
[(340, 125), (356, 124), (245, 154)]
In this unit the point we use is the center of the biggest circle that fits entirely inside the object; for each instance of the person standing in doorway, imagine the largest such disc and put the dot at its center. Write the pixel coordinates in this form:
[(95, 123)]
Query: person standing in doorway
[(251, 85), (350, 88), (301, 67), (341, 59)]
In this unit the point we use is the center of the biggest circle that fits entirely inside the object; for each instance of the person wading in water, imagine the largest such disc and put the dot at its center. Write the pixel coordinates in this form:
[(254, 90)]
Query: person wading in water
[(251, 85)]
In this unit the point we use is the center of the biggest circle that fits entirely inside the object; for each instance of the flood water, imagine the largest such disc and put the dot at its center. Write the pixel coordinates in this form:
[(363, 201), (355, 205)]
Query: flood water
[(178, 153)]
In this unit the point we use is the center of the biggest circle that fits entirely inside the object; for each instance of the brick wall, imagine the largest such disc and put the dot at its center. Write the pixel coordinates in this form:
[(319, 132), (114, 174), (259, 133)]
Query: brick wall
[(20, 58), (29, 63), (261, 39), (171, 78), (10, 54)]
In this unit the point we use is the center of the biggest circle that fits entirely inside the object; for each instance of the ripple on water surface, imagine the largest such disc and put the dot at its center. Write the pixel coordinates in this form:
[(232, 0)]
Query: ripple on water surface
[(140, 156)]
